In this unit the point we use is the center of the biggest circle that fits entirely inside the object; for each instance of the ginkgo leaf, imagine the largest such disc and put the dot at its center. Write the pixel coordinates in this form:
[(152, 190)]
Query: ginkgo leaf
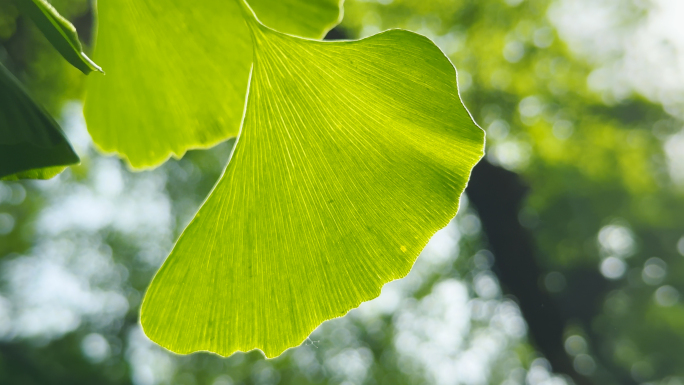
[(177, 71), (32, 146), (59, 32), (351, 156)]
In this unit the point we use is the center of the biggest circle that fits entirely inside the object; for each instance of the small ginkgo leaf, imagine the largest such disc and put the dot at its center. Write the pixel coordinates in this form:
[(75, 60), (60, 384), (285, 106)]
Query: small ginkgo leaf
[(32, 146), (59, 32), (177, 71), (351, 156)]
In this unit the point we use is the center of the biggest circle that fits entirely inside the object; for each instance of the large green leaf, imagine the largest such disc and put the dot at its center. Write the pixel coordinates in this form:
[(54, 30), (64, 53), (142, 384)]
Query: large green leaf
[(177, 71), (351, 156), (31, 142), (59, 32)]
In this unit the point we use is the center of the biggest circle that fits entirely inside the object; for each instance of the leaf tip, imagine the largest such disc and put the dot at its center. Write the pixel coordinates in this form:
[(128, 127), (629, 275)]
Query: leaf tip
[(91, 64)]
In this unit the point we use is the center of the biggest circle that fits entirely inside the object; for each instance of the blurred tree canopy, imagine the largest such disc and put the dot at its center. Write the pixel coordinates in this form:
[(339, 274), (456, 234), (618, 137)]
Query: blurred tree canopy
[(563, 265)]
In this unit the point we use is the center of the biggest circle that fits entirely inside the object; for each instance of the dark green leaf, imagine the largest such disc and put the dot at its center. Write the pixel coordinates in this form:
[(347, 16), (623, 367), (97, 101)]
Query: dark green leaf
[(59, 32), (31, 142)]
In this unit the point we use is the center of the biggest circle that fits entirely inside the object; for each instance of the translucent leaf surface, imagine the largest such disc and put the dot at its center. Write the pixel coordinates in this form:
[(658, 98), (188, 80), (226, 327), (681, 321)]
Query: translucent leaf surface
[(177, 71), (351, 156), (59, 32), (31, 142)]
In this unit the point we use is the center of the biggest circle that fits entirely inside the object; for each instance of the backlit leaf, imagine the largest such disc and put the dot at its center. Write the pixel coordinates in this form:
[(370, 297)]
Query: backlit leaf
[(59, 32), (351, 156), (177, 71), (32, 146)]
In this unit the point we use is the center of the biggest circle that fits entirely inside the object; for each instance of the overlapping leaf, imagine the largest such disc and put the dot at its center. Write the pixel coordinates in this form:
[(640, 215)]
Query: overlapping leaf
[(351, 156), (59, 32), (31, 143), (177, 71)]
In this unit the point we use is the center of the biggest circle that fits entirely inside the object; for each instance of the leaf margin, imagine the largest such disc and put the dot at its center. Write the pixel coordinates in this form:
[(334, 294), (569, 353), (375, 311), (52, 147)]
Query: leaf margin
[(452, 209)]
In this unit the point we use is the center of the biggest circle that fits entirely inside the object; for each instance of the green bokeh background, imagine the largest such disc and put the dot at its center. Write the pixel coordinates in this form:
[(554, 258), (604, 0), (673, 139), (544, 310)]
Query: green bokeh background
[(604, 209)]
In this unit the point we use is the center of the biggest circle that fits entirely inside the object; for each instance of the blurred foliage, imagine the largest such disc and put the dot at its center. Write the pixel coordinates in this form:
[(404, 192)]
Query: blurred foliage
[(602, 203)]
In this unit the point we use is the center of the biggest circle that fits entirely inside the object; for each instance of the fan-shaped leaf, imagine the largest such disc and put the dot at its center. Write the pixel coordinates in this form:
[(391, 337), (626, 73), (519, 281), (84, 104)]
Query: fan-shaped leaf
[(177, 71), (351, 156)]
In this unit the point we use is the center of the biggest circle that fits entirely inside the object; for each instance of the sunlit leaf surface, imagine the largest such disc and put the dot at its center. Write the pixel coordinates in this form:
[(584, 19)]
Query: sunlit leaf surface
[(31, 142), (177, 71), (351, 156), (59, 32)]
